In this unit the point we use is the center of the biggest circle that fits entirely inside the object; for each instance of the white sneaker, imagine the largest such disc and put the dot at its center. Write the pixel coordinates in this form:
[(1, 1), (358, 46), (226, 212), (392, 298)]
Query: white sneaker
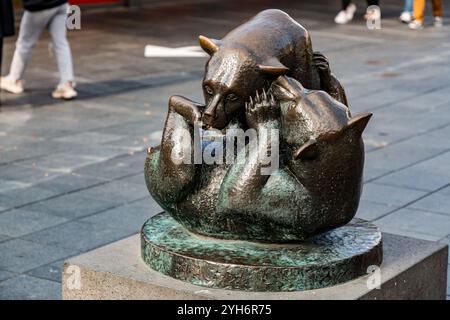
[(415, 25), (345, 16), (373, 13), (11, 86), (406, 17), (438, 22), (65, 91)]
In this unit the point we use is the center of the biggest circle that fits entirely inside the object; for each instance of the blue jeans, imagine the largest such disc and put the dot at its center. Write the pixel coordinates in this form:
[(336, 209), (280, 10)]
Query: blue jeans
[(408, 6)]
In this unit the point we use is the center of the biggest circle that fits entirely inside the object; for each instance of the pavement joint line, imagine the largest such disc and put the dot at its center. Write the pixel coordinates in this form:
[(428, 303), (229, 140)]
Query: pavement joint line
[(442, 57), (413, 201), (39, 277), (70, 192), (66, 150), (393, 143), (330, 34), (14, 274), (431, 211), (412, 97), (111, 90), (369, 91), (407, 166), (77, 220), (391, 185)]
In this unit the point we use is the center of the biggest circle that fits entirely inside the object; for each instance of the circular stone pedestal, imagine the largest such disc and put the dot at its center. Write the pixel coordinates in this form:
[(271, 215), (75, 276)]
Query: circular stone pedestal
[(324, 260)]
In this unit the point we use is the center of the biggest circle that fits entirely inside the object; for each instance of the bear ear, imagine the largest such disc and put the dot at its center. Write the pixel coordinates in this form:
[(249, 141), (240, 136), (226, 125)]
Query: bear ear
[(209, 45), (274, 67), (358, 123), (307, 151)]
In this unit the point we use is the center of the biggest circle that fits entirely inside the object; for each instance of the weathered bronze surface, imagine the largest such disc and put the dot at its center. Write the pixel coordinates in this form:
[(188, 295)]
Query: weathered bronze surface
[(263, 77), (318, 183), (324, 260)]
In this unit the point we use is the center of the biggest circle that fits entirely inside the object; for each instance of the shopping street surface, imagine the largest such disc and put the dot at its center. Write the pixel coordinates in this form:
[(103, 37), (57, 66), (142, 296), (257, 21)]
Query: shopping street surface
[(71, 173)]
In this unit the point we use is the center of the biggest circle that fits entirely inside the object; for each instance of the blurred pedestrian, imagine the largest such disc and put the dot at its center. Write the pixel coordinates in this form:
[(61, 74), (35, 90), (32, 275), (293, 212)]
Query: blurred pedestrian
[(6, 25), (348, 10), (38, 15), (407, 14), (419, 12)]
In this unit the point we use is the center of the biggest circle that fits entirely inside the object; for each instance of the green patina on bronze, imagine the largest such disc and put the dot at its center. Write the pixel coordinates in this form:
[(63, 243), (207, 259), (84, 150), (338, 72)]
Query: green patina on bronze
[(333, 257), (261, 82), (233, 225)]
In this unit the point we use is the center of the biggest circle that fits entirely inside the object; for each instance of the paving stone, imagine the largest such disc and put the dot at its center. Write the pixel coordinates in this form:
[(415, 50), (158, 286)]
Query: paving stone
[(6, 185), (390, 195), (117, 191), (101, 137), (30, 150), (23, 196), (136, 179), (68, 183), (400, 155), (371, 173), (112, 169), (130, 217), (369, 210), (427, 175), (89, 138), (51, 271), (26, 175), (3, 237), (4, 275), (19, 255), (71, 206), (78, 236), (103, 153), (17, 223), (62, 163), (25, 287), (436, 202), (420, 224)]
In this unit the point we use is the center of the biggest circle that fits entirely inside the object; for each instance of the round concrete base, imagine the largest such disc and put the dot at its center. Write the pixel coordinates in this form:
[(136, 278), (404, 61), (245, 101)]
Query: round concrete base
[(327, 259)]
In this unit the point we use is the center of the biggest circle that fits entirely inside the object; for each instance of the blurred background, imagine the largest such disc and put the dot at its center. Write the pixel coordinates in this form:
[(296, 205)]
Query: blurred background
[(71, 172)]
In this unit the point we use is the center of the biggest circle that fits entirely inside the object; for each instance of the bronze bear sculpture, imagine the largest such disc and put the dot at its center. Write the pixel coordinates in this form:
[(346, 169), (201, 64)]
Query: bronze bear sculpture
[(249, 58), (316, 186)]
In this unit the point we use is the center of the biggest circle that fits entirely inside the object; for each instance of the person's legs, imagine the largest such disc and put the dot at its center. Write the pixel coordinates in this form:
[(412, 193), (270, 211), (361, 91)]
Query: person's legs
[(345, 4), (419, 10), (407, 16), (57, 28), (1, 54), (408, 6), (347, 12), (437, 8), (31, 28), (58, 32), (373, 12)]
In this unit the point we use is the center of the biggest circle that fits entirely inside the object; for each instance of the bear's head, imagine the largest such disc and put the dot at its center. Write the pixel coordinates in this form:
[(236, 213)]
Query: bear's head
[(232, 75)]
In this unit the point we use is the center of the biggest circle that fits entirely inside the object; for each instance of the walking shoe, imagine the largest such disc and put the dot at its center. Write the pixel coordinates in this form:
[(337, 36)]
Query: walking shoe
[(345, 16), (406, 17), (373, 13), (416, 25), (65, 91), (438, 22), (11, 86)]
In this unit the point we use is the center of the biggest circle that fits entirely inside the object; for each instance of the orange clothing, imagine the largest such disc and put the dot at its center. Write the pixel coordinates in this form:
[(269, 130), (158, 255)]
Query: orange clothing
[(419, 9)]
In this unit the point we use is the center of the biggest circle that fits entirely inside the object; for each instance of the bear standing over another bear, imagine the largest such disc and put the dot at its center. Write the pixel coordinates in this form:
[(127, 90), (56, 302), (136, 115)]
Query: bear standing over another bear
[(263, 75)]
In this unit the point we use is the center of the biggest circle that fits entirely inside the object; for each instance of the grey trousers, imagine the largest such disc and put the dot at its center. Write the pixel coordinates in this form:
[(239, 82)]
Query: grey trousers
[(31, 27)]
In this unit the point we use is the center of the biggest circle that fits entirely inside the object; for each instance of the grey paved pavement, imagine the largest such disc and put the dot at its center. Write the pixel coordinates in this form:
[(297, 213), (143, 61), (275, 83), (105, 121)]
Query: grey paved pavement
[(71, 173)]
